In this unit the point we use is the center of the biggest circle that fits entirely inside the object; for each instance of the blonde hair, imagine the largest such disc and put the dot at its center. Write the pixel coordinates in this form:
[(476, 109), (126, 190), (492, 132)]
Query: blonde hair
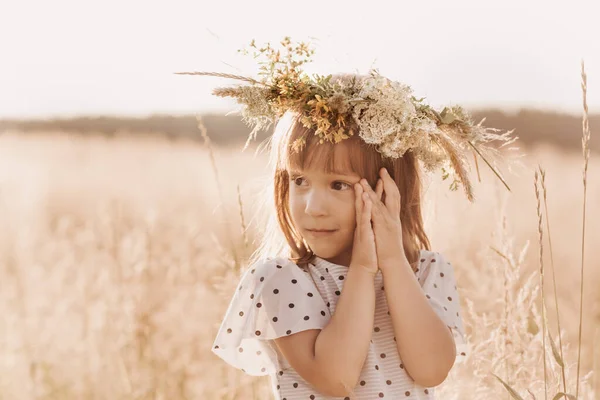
[(281, 239)]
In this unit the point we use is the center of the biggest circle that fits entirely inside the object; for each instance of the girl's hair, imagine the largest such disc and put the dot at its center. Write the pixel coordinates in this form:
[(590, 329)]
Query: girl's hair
[(281, 237)]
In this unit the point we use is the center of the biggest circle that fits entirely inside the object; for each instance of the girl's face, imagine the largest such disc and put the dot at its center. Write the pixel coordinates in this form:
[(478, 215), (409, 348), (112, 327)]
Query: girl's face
[(323, 201)]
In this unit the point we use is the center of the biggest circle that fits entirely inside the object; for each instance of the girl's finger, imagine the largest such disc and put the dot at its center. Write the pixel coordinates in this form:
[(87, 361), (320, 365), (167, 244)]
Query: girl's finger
[(366, 217), (358, 202), (379, 188), (377, 207), (392, 194), (369, 190)]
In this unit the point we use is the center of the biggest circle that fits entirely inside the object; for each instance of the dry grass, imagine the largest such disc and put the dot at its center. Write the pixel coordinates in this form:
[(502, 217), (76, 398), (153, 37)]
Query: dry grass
[(115, 269), (118, 258)]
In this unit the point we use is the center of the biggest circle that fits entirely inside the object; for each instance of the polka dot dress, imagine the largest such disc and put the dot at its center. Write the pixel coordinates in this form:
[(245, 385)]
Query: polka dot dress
[(277, 298)]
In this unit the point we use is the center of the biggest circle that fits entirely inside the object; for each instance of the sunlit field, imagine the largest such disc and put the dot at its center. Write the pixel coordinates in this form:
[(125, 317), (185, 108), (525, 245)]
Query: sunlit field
[(118, 257)]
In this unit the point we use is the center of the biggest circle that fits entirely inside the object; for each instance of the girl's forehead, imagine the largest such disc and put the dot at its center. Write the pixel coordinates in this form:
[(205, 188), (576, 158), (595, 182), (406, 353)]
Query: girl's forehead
[(324, 158)]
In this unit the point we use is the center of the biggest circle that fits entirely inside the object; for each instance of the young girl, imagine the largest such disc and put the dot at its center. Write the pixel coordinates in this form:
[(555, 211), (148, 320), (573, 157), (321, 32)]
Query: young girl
[(345, 299)]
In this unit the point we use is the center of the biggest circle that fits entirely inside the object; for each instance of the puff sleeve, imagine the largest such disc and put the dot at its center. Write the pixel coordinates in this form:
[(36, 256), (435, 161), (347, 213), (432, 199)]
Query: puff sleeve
[(274, 298), (439, 284)]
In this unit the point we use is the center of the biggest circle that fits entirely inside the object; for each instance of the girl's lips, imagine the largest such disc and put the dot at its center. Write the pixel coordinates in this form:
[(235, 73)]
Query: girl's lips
[(321, 233)]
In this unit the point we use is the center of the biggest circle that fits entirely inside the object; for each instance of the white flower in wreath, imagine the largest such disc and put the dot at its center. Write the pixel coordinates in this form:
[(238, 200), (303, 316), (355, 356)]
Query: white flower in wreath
[(389, 118)]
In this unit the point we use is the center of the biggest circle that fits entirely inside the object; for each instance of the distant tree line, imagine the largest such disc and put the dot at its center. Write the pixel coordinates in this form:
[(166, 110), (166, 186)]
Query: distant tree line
[(532, 126)]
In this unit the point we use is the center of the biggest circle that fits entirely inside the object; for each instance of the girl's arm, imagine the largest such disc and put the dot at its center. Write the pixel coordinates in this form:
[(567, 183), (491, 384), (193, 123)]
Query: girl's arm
[(425, 344), (331, 359)]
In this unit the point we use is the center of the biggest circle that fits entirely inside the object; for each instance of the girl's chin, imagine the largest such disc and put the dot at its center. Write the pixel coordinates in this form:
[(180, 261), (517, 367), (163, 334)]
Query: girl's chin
[(323, 253)]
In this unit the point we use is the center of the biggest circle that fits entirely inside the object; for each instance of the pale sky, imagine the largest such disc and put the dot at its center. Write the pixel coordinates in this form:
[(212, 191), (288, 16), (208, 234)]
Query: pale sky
[(75, 57)]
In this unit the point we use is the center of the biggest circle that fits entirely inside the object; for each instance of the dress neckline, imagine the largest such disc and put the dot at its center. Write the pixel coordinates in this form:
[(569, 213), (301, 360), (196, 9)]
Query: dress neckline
[(324, 263)]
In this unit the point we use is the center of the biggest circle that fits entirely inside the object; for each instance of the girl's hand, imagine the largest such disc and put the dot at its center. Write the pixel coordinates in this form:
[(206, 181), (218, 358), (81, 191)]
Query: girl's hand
[(363, 250), (386, 220)]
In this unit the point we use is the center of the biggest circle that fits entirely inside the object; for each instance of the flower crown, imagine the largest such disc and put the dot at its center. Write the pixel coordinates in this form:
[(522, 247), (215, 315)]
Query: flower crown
[(386, 113)]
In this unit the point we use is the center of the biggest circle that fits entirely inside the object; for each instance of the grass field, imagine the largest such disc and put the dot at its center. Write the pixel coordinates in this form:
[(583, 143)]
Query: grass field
[(118, 257)]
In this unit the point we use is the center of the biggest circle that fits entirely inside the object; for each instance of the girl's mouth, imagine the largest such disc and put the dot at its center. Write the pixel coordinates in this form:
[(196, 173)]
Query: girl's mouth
[(321, 232)]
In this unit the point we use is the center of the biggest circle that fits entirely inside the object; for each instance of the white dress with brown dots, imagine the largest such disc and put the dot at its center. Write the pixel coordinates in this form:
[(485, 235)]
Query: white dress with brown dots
[(276, 298)]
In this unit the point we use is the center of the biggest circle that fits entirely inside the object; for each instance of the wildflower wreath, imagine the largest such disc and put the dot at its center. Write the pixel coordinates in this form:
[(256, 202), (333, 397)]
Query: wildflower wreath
[(386, 113)]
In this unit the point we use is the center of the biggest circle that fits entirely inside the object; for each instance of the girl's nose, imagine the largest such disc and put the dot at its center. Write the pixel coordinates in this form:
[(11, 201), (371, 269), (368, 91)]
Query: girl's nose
[(315, 204)]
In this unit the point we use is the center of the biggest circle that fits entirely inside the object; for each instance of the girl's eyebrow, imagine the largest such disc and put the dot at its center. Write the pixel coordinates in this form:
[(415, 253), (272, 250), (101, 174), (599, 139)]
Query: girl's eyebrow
[(352, 175), (334, 173)]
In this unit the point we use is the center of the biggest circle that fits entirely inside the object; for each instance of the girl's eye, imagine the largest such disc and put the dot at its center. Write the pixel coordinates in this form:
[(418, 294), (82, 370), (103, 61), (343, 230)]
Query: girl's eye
[(338, 183), (297, 180)]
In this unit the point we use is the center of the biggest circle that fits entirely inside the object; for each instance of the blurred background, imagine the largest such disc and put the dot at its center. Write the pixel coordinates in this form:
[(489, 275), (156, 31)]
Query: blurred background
[(127, 205)]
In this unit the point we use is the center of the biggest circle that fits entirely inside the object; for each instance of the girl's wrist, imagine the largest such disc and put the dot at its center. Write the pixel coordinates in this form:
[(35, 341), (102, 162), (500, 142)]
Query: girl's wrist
[(396, 263), (361, 270)]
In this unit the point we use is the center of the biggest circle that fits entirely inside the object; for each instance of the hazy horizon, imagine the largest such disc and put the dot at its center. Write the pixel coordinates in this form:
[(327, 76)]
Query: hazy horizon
[(67, 58)]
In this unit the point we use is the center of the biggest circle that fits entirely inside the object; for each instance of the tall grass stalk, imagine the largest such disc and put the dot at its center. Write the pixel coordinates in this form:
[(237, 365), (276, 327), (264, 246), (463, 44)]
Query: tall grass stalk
[(585, 144), (256, 385), (541, 237), (242, 221), (560, 345), (204, 134)]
